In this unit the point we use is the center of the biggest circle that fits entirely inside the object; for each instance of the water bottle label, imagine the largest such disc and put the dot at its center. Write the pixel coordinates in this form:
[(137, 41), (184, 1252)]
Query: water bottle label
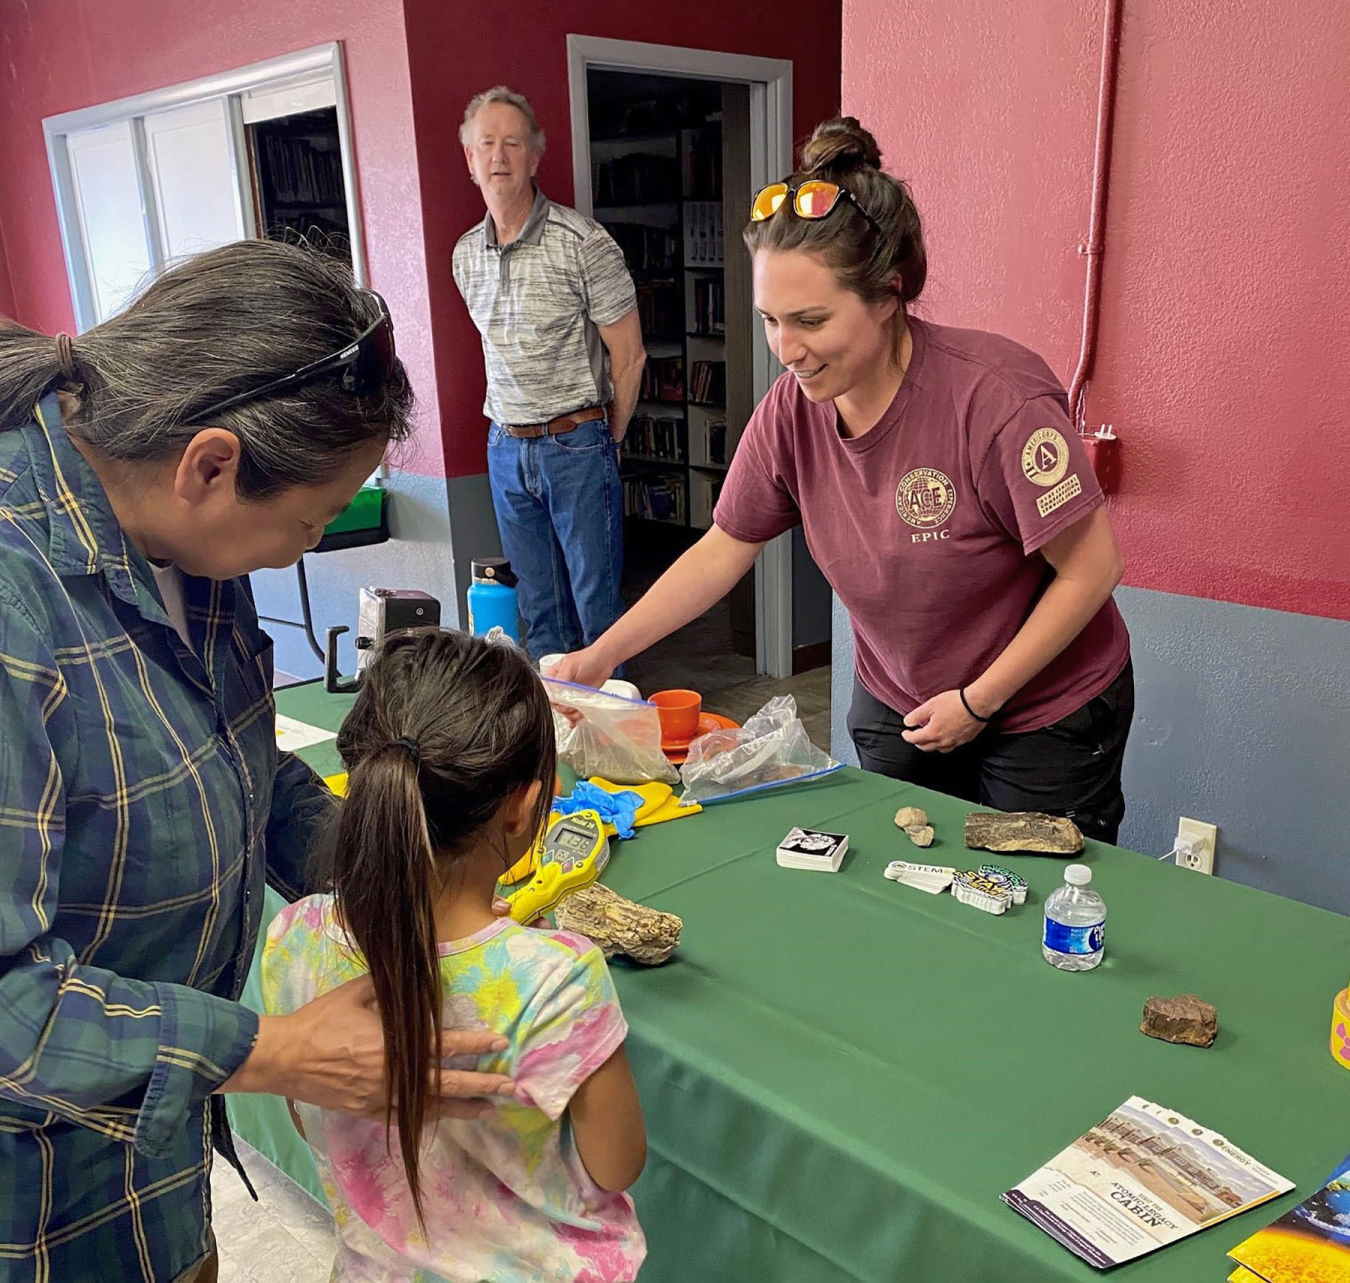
[(1062, 939)]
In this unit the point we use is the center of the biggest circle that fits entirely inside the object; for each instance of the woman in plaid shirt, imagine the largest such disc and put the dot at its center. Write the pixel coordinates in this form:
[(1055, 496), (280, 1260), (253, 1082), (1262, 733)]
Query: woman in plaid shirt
[(211, 429)]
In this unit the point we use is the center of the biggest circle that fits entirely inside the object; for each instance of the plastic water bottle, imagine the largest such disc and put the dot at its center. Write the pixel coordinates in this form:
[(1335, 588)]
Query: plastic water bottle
[(493, 612), (1075, 923)]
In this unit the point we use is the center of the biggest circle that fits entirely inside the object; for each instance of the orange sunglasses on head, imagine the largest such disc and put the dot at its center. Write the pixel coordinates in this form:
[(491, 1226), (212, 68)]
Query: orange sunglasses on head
[(813, 199)]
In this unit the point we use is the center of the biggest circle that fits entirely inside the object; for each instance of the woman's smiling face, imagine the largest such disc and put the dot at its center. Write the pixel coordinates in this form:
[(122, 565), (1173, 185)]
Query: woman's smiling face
[(827, 336)]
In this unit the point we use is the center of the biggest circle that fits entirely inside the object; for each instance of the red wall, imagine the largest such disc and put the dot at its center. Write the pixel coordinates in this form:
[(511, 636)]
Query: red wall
[(454, 52), (1227, 268), (63, 54), (407, 95)]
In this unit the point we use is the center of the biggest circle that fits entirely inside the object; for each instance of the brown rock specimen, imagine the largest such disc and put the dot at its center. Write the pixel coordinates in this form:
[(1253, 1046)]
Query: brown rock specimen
[(920, 834), (1022, 831), (1185, 1018), (908, 817), (620, 926)]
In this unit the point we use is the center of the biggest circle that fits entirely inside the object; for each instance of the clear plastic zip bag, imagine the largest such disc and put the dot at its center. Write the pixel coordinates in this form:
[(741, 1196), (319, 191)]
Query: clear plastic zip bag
[(772, 749), (609, 735)]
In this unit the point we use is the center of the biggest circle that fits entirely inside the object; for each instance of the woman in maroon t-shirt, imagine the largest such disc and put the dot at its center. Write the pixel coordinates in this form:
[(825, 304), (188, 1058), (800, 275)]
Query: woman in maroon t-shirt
[(944, 494)]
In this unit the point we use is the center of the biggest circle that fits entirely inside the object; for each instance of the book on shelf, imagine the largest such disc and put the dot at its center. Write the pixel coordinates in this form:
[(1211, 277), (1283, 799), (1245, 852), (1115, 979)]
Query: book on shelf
[(653, 437), (703, 166), (708, 382), (717, 441), (663, 379), (703, 233), (708, 440), (709, 315), (636, 178), (648, 251), (657, 498), (659, 310), (703, 498), (303, 174)]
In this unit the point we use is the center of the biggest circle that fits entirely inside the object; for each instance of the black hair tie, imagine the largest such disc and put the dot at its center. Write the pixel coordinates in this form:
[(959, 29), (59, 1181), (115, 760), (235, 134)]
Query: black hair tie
[(966, 704), (403, 741)]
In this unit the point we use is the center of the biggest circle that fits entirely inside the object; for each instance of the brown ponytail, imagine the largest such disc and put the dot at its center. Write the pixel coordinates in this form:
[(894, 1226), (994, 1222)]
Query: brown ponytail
[(445, 729), (388, 897), (865, 260)]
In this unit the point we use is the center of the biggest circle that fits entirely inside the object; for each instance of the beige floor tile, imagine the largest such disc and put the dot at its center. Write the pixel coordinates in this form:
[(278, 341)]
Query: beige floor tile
[(267, 1242), (285, 1237)]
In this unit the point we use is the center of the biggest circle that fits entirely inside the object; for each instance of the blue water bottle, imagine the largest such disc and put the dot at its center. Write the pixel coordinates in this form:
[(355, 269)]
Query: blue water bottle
[(493, 613)]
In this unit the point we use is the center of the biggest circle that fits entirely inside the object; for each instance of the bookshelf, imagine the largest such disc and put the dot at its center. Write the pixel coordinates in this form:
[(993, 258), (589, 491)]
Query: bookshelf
[(660, 193), (298, 187)]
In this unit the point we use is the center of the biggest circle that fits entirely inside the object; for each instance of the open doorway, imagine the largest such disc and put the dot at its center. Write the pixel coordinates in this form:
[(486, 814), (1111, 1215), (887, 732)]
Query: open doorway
[(668, 145), (669, 154)]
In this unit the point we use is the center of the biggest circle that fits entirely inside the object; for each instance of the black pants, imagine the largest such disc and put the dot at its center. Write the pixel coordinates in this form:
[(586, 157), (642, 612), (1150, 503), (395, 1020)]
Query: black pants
[(1070, 768)]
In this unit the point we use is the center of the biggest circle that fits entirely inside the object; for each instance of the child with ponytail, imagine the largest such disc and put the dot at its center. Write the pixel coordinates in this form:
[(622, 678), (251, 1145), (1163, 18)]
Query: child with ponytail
[(450, 756)]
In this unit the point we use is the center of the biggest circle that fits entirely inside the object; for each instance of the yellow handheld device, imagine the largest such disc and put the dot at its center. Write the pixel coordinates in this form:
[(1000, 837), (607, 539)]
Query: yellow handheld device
[(575, 853)]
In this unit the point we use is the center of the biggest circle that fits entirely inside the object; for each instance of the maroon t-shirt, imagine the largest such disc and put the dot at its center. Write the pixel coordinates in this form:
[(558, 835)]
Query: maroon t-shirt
[(927, 526)]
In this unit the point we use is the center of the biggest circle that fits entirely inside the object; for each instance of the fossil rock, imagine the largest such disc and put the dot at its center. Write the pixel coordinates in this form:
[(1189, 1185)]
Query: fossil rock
[(1022, 831), (620, 926), (920, 834), (908, 817), (1185, 1018)]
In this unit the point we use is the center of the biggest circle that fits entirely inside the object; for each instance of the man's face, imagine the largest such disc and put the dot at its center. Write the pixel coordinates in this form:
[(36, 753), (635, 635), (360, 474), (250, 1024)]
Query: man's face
[(500, 158)]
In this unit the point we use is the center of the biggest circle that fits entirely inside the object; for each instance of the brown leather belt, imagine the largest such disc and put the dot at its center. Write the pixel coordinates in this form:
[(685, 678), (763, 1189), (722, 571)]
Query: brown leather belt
[(554, 427)]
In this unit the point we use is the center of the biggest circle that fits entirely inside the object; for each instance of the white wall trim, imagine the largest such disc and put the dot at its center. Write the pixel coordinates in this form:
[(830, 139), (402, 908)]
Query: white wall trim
[(319, 58)]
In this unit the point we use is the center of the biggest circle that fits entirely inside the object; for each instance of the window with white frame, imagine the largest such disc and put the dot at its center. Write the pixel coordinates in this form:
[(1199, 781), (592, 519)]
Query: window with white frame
[(262, 150)]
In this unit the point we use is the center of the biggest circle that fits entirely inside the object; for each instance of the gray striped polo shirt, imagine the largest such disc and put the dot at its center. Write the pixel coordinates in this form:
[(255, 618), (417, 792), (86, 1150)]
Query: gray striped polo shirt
[(537, 303)]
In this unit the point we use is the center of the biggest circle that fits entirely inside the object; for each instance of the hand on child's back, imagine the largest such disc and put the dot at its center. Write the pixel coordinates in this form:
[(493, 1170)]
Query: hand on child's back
[(331, 1053)]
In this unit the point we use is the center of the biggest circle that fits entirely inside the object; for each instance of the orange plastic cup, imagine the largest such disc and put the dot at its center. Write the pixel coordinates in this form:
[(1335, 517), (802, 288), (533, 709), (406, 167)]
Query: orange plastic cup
[(679, 711)]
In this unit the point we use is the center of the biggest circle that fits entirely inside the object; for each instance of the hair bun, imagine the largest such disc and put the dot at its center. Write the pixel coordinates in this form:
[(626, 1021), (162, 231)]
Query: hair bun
[(841, 145)]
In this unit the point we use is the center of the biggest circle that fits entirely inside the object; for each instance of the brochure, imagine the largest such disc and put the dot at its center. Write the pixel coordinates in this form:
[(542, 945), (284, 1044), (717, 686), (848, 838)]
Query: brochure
[(1310, 1243), (1141, 1179)]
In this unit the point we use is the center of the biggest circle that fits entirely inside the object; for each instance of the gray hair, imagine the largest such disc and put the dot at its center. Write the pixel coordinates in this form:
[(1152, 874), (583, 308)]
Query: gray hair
[(500, 93), (211, 327)]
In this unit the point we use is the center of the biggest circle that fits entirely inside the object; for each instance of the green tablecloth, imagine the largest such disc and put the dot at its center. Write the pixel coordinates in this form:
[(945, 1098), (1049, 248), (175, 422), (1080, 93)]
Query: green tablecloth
[(841, 1075)]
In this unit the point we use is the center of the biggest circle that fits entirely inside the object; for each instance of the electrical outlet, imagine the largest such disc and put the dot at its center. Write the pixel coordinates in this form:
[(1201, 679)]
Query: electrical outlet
[(1200, 839)]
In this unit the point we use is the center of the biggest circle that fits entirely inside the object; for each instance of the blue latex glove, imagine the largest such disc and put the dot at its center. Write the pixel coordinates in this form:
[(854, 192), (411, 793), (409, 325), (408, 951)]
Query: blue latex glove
[(620, 809)]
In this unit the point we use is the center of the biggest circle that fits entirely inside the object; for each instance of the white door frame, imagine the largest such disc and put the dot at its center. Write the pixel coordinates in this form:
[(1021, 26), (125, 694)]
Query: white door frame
[(770, 83)]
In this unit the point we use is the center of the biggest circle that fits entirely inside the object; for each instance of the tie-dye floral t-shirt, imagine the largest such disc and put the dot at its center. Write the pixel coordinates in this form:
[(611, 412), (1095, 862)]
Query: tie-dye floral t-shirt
[(506, 1197)]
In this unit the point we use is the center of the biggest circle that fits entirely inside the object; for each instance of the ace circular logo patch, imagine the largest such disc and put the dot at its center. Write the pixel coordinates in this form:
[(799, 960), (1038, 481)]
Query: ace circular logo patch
[(925, 498), (1045, 457)]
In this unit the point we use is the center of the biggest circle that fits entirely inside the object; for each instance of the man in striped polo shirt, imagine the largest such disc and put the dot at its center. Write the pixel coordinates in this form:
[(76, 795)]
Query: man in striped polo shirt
[(555, 306)]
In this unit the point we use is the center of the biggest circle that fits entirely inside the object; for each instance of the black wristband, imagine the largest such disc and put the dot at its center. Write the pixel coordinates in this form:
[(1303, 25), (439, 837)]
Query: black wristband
[(966, 705)]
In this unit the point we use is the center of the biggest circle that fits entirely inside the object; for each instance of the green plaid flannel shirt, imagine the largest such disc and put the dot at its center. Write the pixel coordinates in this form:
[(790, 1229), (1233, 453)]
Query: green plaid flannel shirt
[(142, 803)]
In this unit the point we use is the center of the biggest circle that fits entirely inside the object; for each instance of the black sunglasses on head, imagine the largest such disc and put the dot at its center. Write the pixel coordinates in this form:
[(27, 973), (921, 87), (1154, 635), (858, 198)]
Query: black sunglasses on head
[(365, 365)]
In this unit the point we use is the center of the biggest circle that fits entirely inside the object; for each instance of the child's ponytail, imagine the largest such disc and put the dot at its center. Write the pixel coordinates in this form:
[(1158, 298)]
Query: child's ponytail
[(385, 880), (445, 729)]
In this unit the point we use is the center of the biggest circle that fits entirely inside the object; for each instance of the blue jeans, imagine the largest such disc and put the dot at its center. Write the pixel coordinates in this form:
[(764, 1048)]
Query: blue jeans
[(559, 506)]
